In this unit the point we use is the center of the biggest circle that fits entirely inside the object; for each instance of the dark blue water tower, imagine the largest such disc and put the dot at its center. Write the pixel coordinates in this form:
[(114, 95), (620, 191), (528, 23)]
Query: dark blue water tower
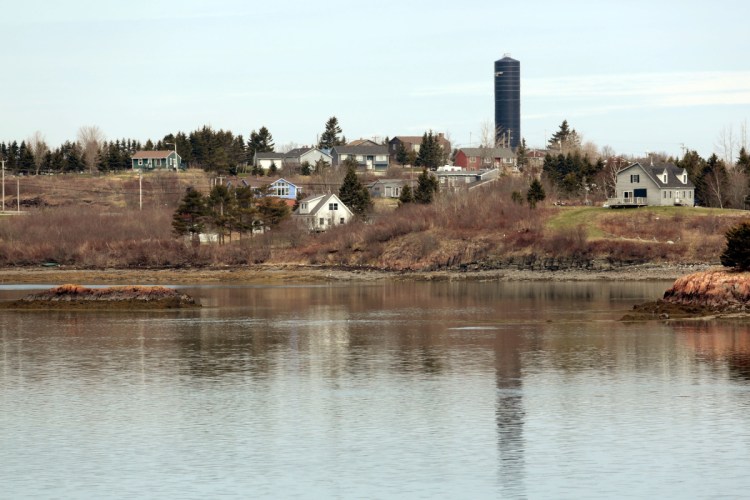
[(508, 102)]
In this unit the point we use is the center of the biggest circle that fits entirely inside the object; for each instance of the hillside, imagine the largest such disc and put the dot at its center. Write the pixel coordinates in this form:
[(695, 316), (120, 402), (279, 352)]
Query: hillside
[(94, 222)]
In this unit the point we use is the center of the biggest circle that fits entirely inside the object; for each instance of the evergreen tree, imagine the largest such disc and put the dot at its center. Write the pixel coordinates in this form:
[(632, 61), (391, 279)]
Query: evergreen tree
[(402, 157), (330, 137), (320, 166), (220, 207), (427, 187), (242, 210), (743, 161), (189, 216), (272, 211), (521, 153), (431, 154), (565, 139), (306, 168), (737, 252), (535, 193), (259, 142), (354, 194), (273, 169), (406, 195)]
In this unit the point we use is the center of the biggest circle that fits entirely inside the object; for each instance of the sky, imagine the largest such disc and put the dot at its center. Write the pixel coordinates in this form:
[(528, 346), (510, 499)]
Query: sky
[(638, 76)]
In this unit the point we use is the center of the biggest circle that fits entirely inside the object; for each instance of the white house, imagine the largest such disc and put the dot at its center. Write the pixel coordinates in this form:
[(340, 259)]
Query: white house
[(320, 212), (298, 156), (659, 185), (265, 160)]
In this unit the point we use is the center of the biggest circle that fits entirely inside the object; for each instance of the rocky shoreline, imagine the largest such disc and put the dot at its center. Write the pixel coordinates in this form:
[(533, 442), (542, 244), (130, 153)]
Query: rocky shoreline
[(290, 274)]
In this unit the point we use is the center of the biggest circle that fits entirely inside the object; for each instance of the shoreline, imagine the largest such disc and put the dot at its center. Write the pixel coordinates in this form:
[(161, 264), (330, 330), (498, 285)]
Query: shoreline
[(290, 274)]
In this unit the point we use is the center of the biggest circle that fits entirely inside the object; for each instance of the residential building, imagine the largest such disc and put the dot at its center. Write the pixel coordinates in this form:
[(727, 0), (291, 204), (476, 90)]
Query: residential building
[(153, 160), (282, 188), (371, 158), (413, 143), (452, 180), (508, 102), (388, 188), (485, 158), (363, 142), (311, 155), (322, 211), (265, 160), (659, 185)]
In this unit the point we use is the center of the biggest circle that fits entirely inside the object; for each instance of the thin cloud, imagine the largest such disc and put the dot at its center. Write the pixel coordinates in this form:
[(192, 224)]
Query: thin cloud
[(638, 90)]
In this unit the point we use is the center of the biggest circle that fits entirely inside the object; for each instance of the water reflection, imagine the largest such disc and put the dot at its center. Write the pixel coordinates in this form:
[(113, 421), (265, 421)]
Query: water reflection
[(413, 389)]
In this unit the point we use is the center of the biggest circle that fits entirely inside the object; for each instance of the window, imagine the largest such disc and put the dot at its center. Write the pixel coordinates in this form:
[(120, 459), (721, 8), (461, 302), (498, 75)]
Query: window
[(333, 206), (635, 178), (322, 222), (341, 220), (140, 161), (472, 159), (304, 206), (665, 194)]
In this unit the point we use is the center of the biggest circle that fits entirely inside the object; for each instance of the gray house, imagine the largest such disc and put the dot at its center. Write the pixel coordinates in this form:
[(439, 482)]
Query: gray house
[(654, 185), (371, 158), (388, 188)]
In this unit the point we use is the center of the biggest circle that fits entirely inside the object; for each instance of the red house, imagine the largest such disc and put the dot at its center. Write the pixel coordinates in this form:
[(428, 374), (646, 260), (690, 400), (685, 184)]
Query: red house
[(483, 158)]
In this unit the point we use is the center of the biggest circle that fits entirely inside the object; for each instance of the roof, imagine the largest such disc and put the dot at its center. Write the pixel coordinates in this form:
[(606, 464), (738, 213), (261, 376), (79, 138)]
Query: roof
[(361, 150), (362, 142), (496, 152), (322, 203), (151, 154), (654, 172), (417, 139), (269, 156), (280, 180)]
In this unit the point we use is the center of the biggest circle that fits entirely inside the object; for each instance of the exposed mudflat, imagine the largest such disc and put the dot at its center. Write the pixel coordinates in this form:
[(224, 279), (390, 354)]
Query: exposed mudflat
[(111, 298), (310, 274)]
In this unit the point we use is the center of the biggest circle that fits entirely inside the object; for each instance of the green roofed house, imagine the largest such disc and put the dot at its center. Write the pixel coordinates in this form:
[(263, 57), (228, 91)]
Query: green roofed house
[(156, 160)]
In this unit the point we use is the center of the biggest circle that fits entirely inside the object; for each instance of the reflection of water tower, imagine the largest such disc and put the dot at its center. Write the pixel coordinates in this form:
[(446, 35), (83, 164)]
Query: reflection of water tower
[(508, 102)]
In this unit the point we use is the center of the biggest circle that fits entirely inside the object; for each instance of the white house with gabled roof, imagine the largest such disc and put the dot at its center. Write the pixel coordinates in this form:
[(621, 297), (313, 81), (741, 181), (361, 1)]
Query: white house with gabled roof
[(322, 211), (653, 185)]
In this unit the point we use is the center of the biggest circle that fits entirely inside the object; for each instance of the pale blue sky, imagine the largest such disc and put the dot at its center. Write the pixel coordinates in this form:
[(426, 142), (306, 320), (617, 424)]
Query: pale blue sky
[(636, 75)]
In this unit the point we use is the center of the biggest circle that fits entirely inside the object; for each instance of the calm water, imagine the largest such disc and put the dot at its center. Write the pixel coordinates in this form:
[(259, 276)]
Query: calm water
[(483, 390)]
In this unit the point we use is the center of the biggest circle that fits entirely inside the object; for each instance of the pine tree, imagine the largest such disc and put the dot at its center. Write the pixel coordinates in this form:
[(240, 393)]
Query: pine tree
[(521, 153), (402, 157), (220, 207), (306, 168), (564, 139), (189, 216), (427, 186), (273, 169), (743, 161), (330, 137), (259, 142), (737, 252), (354, 194), (406, 195), (431, 154), (535, 193)]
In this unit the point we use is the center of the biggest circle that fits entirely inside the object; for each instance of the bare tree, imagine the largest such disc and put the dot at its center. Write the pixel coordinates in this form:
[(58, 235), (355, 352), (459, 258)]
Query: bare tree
[(715, 186), (39, 149), (726, 145), (737, 188), (90, 137), (487, 142)]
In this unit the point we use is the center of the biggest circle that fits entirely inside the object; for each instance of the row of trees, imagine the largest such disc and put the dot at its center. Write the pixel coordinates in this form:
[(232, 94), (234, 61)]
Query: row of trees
[(227, 210), (212, 150)]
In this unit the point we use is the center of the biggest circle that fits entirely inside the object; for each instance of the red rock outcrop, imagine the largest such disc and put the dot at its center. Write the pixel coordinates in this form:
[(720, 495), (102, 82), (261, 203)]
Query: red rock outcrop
[(720, 291)]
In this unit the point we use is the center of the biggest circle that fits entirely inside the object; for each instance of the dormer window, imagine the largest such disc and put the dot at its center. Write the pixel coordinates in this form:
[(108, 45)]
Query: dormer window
[(684, 178)]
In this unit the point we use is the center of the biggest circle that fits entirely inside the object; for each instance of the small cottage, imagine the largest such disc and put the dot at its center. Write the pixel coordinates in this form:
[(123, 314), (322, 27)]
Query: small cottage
[(322, 211)]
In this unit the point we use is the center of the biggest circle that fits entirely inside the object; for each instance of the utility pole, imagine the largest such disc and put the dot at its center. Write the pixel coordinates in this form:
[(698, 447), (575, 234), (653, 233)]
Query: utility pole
[(18, 195), (140, 190), (3, 182)]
